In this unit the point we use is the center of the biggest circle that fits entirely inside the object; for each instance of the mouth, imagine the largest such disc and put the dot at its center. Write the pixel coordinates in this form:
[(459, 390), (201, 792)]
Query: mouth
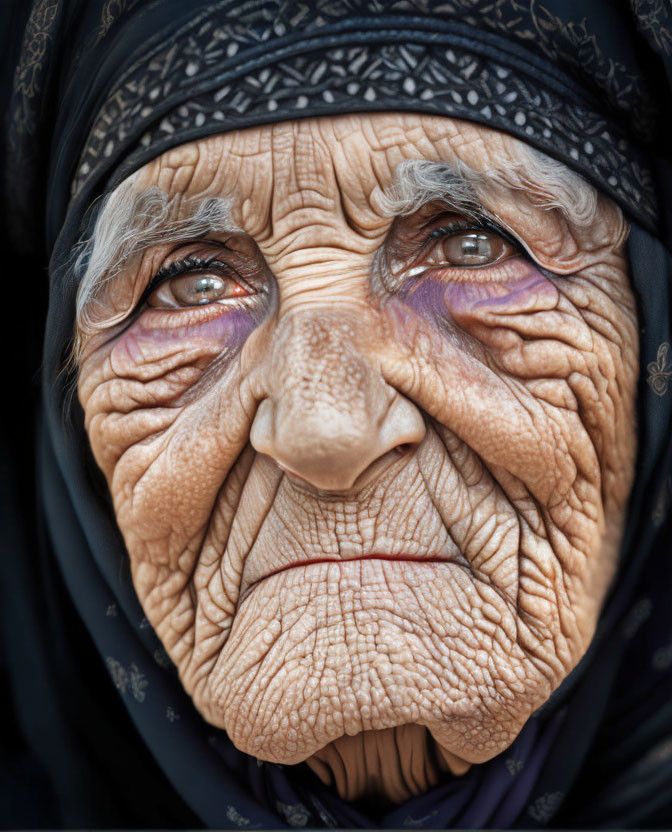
[(373, 556)]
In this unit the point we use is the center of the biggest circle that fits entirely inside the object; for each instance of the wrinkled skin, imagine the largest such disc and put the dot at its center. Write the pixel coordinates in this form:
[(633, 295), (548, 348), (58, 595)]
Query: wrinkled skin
[(281, 466)]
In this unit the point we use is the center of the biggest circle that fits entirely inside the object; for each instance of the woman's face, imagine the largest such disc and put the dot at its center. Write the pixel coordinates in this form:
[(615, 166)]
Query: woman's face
[(370, 470)]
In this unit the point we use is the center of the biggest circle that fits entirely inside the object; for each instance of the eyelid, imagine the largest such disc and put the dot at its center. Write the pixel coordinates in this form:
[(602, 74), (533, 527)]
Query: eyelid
[(412, 262), (479, 223), (495, 224), (485, 222), (189, 265)]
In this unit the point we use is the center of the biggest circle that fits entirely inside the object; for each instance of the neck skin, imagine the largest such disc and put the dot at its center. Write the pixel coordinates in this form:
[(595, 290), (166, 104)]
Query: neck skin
[(394, 764)]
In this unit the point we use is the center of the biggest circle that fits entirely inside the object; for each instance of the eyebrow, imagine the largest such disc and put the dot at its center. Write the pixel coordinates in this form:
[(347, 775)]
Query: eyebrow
[(418, 182), (548, 184)]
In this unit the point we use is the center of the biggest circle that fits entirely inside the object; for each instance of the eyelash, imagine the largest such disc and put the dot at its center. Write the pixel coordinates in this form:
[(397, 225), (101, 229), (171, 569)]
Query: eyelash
[(481, 223), (478, 223), (188, 265)]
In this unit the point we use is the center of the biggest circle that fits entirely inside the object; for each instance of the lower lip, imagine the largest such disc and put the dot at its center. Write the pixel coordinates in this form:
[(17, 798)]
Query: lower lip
[(398, 558)]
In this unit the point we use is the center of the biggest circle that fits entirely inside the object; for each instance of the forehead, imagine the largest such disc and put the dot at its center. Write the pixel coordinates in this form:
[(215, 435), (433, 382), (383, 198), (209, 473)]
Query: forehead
[(331, 164)]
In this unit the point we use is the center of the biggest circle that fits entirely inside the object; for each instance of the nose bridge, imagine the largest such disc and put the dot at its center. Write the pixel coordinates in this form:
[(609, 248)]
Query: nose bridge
[(329, 413), (323, 367), (324, 386)]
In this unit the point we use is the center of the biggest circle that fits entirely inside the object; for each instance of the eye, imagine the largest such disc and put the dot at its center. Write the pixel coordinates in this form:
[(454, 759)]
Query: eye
[(469, 248), (190, 283)]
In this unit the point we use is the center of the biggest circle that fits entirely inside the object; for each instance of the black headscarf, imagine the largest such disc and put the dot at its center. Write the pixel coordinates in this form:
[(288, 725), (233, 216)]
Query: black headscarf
[(105, 734)]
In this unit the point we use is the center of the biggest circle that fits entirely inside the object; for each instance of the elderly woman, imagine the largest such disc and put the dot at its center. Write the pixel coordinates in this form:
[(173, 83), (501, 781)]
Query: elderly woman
[(350, 481)]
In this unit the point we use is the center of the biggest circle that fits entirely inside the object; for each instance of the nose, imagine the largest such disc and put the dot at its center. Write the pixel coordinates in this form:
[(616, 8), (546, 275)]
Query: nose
[(329, 414)]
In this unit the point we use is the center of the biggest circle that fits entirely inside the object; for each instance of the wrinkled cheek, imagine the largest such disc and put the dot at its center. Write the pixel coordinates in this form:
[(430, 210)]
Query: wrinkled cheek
[(531, 293), (167, 425), (160, 334), (473, 303)]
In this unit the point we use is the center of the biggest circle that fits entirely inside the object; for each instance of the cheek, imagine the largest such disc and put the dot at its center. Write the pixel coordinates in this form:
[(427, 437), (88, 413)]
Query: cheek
[(182, 336), (518, 366), (160, 409)]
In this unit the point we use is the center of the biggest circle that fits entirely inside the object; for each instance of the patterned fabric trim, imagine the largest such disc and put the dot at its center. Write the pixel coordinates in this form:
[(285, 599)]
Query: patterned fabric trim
[(654, 20), (214, 77), (31, 69), (26, 113)]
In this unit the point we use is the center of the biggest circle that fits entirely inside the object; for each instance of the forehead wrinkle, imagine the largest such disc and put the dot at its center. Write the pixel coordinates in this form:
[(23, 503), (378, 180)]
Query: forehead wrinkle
[(315, 184), (248, 180), (305, 241), (238, 165), (305, 197), (358, 183), (209, 167), (175, 168), (304, 175)]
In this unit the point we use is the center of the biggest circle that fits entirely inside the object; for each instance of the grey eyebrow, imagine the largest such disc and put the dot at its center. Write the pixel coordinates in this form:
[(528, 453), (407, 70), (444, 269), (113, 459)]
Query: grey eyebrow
[(418, 182), (129, 223), (548, 184)]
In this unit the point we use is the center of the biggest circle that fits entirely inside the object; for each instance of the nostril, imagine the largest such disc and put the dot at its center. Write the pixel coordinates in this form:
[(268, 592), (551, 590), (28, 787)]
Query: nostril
[(405, 448), (329, 447)]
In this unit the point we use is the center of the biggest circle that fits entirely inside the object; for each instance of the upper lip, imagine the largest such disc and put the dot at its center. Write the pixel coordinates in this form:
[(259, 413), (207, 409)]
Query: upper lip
[(425, 558)]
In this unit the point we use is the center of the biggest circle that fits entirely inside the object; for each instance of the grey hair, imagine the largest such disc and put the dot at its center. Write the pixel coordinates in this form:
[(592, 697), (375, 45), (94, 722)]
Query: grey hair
[(548, 183), (127, 224)]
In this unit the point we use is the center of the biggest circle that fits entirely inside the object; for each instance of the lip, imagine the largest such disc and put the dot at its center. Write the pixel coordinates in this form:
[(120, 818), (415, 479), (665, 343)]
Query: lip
[(373, 556)]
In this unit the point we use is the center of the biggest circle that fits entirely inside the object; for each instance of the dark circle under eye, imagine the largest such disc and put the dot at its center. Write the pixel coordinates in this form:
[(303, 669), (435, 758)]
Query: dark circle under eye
[(473, 248), (196, 289)]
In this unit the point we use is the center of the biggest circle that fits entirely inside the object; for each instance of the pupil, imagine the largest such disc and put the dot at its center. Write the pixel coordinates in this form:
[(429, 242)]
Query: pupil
[(473, 248), (207, 288), (476, 245)]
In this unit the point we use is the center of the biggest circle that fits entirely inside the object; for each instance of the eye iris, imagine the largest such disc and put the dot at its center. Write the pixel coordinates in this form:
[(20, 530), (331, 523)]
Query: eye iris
[(198, 289), (473, 249)]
